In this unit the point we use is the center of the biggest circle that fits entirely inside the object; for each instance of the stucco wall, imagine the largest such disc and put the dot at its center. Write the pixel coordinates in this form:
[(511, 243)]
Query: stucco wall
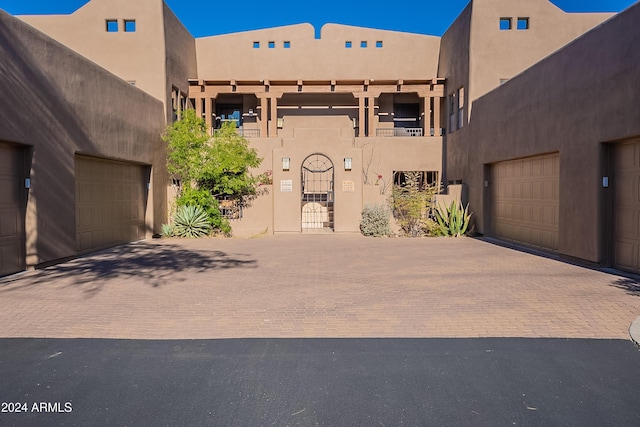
[(133, 56), (497, 54), (571, 102), (58, 104), (180, 52), (402, 55)]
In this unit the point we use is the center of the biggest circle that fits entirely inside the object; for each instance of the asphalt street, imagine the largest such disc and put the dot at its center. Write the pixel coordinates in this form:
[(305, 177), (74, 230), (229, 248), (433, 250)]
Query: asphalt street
[(326, 382)]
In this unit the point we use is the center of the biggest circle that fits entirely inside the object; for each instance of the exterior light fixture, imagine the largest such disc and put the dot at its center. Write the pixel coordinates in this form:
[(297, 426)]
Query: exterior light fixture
[(286, 163), (347, 163)]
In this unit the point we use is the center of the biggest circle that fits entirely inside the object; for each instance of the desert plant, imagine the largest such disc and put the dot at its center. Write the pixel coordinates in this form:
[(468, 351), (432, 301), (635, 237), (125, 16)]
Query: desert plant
[(202, 197), (453, 220), (167, 230), (411, 203), (191, 221), (375, 221)]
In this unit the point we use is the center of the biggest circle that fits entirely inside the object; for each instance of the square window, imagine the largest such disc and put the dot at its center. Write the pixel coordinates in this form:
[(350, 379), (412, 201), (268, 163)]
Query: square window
[(256, 45), (347, 44), (272, 45), (363, 44), (287, 45), (129, 25), (505, 23), (523, 23), (379, 44), (112, 25)]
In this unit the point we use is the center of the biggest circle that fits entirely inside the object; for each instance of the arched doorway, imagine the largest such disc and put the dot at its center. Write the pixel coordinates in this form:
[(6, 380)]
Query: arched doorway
[(317, 193)]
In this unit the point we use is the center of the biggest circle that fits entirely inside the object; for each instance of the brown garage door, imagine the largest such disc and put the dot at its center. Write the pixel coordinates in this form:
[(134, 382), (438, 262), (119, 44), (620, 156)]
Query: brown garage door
[(524, 200), (12, 237), (626, 186), (110, 202)]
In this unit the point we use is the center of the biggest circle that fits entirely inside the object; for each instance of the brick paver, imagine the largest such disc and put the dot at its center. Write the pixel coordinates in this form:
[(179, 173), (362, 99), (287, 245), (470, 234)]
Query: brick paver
[(316, 286)]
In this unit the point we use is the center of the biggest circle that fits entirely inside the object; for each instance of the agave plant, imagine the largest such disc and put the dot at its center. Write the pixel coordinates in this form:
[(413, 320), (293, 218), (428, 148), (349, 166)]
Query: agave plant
[(191, 221), (168, 230), (452, 220)]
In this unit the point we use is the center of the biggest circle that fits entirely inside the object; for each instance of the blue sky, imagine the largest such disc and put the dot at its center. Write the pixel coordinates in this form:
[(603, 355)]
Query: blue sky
[(206, 17)]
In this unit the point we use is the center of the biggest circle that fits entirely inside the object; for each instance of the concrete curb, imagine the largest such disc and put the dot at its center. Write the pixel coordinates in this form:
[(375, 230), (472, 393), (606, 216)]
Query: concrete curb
[(634, 331)]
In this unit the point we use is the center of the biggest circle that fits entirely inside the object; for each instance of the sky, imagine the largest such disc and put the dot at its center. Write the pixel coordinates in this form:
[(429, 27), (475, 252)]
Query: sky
[(207, 17)]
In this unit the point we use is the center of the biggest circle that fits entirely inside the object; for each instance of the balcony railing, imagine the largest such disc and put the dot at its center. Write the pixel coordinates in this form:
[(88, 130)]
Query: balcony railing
[(247, 133), (399, 132), (390, 132)]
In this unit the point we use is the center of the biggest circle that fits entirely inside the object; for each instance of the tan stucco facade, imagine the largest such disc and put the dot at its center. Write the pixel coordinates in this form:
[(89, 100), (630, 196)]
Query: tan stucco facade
[(57, 105), (342, 113)]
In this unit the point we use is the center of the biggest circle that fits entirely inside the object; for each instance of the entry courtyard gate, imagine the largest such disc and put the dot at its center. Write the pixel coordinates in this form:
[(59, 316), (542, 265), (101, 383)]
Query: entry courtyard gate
[(317, 193)]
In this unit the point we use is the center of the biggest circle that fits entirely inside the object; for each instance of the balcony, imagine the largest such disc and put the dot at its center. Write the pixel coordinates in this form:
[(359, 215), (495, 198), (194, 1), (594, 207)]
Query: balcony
[(391, 132), (247, 133)]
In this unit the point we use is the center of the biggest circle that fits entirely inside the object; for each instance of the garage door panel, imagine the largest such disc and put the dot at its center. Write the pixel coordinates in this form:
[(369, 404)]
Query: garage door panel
[(626, 255), (109, 213), (525, 205), (626, 218), (12, 214), (9, 223)]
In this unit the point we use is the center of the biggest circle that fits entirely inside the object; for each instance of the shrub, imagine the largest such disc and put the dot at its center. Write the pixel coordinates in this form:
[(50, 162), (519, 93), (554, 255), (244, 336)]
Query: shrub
[(191, 221), (167, 230), (411, 203), (202, 197), (452, 220), (375, 221)]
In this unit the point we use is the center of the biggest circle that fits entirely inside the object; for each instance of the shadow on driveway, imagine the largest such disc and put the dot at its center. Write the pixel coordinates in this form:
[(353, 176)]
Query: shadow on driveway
[(155, 264), (630, 286)]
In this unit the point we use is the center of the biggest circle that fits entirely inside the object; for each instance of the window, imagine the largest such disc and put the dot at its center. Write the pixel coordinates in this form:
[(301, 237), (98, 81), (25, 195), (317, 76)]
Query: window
[(452, 112), (505, 24), (287, 44), (112, 25), (272, 45), (523, 23), (460, 107), (129, 25), (424, 178), (256, 45), (379, 44), (363, 43), (347, 44)]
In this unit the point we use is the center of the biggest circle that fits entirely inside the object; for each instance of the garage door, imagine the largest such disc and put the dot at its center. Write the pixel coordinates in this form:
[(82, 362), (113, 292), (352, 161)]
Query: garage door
[(626, 186), (12, 237), (524, 200), (110, 203)]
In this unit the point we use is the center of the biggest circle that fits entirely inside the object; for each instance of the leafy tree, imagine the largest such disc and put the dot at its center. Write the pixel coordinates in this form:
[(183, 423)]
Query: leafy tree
[(226, 171), (187, 147), (209, 168)]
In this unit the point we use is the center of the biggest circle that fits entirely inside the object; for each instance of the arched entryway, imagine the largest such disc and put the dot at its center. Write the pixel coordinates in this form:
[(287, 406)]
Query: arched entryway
[(317, 193)]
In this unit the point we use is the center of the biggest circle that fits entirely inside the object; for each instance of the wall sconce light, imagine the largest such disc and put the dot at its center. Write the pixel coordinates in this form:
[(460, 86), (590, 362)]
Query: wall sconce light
[(286, 163), (347, 163)]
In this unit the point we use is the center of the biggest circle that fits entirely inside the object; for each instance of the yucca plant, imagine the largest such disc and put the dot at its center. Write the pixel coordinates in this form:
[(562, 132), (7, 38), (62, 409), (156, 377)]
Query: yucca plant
[(452, 220), (191, 221)]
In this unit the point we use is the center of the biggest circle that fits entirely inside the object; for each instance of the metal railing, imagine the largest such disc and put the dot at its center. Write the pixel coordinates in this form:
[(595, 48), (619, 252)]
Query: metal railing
[(389, 132), (247, 133)]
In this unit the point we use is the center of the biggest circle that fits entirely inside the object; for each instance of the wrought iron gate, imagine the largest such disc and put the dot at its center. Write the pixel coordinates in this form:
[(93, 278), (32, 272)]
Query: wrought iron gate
[(317, 193)]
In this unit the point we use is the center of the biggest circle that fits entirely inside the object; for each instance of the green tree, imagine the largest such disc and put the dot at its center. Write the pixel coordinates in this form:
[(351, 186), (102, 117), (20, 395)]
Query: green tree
[(226, 171), (210, 168), (187, 148)]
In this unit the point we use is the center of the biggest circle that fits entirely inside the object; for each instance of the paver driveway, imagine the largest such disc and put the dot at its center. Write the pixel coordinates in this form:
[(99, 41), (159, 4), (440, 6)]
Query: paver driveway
[(316, 286)]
